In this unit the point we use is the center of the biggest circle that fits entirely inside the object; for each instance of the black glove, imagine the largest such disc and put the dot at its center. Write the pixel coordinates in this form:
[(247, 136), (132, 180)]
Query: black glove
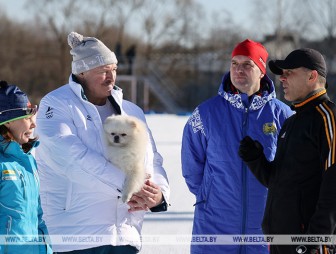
[(250, 149)]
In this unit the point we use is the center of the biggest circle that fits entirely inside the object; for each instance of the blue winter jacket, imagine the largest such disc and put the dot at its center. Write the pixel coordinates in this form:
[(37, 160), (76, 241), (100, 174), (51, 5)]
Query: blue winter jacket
[(22, 229), (229, 199)]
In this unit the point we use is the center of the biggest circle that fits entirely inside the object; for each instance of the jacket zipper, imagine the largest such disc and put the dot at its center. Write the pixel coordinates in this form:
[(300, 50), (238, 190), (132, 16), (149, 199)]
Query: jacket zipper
[(244, 175), (9, 228), (44, 240), (23, 184)]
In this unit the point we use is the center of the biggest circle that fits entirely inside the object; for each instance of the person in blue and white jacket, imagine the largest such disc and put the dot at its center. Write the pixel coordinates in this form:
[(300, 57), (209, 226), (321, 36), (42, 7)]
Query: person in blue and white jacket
[(22, 229), (229, 199), (80, 188)]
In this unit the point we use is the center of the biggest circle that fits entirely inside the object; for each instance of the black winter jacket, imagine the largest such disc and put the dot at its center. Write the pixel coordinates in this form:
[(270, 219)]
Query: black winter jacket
[(302, 178)]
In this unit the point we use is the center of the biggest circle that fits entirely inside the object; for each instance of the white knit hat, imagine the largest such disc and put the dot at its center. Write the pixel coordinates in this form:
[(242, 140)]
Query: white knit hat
[(88, 53)]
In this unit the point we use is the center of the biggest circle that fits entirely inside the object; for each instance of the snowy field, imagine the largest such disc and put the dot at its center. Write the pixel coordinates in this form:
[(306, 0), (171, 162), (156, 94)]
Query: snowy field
[(177, 221)]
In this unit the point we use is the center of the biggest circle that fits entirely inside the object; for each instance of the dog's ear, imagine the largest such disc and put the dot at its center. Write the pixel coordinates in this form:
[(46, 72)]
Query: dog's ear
[(108, 119), (133, 123)]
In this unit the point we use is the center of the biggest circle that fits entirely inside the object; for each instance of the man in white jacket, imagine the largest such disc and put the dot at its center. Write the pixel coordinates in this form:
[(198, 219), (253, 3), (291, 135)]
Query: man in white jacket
[(80, 188)]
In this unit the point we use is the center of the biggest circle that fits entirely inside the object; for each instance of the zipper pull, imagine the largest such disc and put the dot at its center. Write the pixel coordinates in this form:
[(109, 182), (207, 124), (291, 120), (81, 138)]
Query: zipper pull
[(23, 185)]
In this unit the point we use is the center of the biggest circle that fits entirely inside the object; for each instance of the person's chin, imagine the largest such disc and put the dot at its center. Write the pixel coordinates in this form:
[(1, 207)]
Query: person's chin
[(241, 81), (110, 87), (23, 141), (287, 97), (241, 86)]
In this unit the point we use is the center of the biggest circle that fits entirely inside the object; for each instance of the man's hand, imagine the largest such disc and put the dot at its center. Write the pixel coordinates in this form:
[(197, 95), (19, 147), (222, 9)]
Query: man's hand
[(250, 149), (149, 196)]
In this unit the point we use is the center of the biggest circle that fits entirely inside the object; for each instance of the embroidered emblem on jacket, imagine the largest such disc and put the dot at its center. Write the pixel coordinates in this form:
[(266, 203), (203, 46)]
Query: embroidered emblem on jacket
[(269, 128), (195, 122), (49, 113), (283, 135), (8, 174)]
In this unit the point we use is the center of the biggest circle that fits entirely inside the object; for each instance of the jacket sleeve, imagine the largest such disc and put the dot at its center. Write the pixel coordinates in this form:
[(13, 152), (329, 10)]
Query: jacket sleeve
[(193, 152), (45, 246), (323, 220), (63, 151), (261, 169), (160, 177)]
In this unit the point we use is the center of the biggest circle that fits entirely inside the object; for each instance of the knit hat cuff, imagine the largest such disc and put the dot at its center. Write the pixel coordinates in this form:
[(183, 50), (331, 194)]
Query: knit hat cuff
[(92, 62)]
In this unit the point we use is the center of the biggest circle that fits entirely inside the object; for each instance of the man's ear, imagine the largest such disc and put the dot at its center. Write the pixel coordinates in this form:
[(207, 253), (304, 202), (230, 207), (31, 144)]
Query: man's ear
[(313, 75)]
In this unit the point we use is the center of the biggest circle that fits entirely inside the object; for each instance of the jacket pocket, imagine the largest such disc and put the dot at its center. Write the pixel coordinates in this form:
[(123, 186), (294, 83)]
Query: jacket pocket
[(205, 190)]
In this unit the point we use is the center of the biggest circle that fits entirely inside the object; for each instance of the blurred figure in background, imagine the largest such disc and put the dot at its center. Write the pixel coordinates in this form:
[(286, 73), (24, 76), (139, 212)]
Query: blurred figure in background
[(130, 55)]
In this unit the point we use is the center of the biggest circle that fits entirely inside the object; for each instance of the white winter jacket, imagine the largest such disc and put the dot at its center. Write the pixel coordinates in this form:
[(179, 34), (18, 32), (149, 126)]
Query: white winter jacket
[(80, 188)]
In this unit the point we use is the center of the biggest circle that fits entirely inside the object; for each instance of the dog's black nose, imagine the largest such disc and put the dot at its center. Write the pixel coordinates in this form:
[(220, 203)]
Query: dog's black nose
[(116, 139)]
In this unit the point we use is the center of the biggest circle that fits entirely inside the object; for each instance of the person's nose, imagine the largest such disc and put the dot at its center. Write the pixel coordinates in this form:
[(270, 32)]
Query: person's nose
[(240, 68), (109, 75), (32, 123), (282, 77)]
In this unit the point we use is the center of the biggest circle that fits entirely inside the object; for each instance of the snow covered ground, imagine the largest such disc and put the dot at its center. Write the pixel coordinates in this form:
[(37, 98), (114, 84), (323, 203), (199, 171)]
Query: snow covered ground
[(163, 232)]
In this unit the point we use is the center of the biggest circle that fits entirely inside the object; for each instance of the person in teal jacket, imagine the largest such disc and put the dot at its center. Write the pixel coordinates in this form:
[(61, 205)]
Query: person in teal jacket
[(22, 229)]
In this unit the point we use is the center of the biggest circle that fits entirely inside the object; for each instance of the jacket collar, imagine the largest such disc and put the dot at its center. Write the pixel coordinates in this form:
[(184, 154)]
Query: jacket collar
[(241, 100), (311, 100), (13, 148)]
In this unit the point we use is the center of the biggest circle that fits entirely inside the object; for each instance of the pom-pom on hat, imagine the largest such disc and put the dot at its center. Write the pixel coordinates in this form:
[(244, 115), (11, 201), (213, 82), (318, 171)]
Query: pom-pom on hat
[(14, 103), (254, 50), (88, 53)]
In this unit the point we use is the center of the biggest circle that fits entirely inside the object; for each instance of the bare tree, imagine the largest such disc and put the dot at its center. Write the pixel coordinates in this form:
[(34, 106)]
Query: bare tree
[(322, 14), (169, 22), (56, 18)]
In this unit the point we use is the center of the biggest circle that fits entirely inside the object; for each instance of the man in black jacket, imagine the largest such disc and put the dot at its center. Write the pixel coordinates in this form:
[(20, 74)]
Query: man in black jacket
[(301, 179)]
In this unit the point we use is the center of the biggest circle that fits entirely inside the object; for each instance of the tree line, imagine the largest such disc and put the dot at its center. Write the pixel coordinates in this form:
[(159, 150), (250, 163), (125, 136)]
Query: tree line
[(177, 37)]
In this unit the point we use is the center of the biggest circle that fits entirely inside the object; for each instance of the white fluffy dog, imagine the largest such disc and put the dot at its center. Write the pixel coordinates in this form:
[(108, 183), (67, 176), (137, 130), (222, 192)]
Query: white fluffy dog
[(127, 141)]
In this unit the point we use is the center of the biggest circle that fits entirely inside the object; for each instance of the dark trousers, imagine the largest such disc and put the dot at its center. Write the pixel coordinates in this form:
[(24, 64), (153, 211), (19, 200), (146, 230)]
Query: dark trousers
[(108, 249)]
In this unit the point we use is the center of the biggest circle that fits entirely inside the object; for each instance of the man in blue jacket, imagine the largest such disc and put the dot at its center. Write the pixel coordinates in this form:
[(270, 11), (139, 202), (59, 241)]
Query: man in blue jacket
[(229, 199)]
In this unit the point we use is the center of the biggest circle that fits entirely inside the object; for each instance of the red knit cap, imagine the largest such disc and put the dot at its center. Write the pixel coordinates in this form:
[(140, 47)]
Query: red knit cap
[(253, 50)]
